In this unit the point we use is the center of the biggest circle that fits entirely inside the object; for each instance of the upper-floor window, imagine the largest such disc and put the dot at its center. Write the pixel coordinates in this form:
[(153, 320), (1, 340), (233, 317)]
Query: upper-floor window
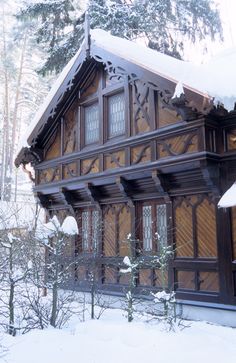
[(116, 115), (91, 124)]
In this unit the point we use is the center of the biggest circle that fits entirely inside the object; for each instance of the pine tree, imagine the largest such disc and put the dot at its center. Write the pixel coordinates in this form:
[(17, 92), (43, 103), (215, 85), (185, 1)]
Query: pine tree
[(164, 24)]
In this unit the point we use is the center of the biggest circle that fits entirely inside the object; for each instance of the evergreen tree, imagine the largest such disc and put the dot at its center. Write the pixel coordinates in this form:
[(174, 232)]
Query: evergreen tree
[(164, 24)]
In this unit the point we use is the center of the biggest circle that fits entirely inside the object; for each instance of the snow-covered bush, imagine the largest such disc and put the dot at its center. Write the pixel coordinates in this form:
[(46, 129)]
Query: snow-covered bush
[(55, 237)]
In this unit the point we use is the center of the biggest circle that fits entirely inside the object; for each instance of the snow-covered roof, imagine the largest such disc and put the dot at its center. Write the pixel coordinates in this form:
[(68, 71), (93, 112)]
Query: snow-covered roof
[(216, 79)]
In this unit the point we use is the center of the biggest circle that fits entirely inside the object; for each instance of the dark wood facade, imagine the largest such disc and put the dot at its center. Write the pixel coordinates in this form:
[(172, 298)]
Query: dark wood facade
[(114, 150)]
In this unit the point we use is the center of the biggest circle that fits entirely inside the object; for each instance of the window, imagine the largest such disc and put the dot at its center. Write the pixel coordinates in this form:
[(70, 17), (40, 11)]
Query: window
[(116, 115), (90, 221), (91, 124), (147, 228), (154, 227)]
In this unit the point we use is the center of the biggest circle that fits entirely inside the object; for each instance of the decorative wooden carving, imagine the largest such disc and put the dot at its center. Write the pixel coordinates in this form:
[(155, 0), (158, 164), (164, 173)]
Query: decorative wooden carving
[(70, 137), (53, 149), (90, 166), (70, 170), (91, 85), (29, 172), (140, 154), (109, 80), (49, 175), (114, 160), (178, 145), (141, 117)]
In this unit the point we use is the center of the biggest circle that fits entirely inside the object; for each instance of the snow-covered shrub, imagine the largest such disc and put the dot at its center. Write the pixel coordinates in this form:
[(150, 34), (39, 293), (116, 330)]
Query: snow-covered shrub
[(55, 237)]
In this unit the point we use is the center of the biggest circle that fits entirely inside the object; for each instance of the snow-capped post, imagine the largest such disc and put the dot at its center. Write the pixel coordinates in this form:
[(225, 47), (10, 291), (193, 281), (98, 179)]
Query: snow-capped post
[(166, 296), (131, 264), (228, 199), (58, 268)]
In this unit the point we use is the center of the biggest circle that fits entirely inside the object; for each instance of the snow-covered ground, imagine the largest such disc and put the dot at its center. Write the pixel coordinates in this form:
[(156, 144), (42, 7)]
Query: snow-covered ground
[(112, 340)]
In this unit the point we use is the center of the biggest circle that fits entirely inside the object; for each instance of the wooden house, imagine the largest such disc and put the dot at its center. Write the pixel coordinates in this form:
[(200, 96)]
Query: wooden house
[(118, 145)]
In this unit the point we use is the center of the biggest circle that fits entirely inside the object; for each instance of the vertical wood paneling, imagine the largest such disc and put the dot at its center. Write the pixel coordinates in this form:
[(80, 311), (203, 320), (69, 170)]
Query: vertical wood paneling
[(209, 281), (54, 150), (145, 276), (124, 224), (186, 280), (110, 275), (109, 234), (206, 229), (183, 230)]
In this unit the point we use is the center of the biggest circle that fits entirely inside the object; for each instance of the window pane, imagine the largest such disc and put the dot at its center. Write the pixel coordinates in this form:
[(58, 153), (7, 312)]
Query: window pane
[(161, 226), (91, 124), (147, 228), (85, 230), (95, 229), (116, 115)]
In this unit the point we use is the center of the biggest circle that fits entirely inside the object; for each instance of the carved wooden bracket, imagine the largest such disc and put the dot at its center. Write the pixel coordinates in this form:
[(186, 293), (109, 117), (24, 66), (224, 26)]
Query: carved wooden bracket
[(123, 186), (159, 185), (42, 200), (28, 172), (67, 199), (183, 108), (91, 194), (210, 177)]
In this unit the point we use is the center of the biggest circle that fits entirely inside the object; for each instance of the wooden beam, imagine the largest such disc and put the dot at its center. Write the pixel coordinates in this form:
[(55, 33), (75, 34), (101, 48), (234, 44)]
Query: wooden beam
[(67, 199), (159, 185), (91, 194), (123, 186)]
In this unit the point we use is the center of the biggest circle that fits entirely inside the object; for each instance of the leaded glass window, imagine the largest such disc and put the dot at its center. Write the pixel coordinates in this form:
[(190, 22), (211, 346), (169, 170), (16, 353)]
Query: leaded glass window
[(116, 115), (91, 123), (90, 223), (147, 228), (95, 229), (161, 223), (85, 230)]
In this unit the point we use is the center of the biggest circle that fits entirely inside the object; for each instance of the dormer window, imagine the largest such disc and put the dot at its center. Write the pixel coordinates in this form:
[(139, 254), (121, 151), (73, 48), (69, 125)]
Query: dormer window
[(91, 124), (116, 115)]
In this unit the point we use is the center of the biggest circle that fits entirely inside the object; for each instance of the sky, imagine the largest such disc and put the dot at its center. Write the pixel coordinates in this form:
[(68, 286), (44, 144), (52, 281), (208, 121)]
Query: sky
[(228, 11)]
